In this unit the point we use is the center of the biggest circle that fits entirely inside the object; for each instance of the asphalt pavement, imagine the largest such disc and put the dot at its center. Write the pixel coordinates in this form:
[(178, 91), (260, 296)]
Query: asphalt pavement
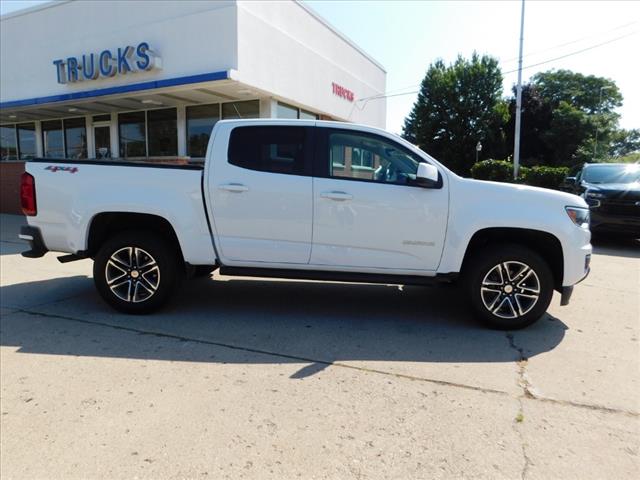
[(277, 379)]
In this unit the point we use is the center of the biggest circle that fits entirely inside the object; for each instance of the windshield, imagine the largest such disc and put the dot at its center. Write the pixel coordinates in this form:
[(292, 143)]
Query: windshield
[(612, 173)]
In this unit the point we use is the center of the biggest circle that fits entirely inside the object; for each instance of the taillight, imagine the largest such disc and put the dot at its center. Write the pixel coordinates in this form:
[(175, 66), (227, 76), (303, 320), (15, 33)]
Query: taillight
[(28, 194)]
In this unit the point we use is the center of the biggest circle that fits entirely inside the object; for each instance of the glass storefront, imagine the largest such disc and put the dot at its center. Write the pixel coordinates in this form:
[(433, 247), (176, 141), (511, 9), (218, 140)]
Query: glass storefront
[(75, 137), (162, 133), (8, 143), (246, 109), (141, 134), (200, 121), (53, 139), (132, 132), (26, 140)]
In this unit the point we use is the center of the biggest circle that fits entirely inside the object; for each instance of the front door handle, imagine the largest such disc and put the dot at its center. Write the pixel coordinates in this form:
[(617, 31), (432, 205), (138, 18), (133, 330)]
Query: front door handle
[(337, 196), (233, 187)]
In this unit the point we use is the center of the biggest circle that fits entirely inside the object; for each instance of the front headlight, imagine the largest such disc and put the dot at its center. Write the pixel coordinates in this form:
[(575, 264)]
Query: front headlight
[(579, 216)]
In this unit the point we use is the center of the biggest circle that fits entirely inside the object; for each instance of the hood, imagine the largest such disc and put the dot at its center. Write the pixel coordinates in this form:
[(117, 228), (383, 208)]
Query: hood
[(522, 194), (612, 187)]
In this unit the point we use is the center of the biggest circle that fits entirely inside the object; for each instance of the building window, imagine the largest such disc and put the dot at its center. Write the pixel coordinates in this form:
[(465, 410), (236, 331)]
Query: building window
[(151, 133), (270, 149), (304, 115), (235, 110), (286, 111), (26, 140), (200, 121), (132, 133), (162, 132), (289, 111), (102, 118), (8, 143), (75, 137), (53, 139)]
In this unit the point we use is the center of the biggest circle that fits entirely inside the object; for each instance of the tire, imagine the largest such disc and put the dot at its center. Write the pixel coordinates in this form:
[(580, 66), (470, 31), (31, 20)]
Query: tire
[(120, 280), (514, 300)]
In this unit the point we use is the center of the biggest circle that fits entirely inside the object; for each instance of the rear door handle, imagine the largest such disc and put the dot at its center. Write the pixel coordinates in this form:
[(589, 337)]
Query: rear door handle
[(337, 196), (233, 187)]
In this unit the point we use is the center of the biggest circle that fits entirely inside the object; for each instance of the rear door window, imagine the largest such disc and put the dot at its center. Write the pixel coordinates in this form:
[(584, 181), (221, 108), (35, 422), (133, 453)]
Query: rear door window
[(286, 150)]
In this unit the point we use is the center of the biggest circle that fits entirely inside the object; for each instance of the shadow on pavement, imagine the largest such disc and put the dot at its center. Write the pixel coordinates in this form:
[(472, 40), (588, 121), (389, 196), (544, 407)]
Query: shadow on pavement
[(616, 246), (280, 321)]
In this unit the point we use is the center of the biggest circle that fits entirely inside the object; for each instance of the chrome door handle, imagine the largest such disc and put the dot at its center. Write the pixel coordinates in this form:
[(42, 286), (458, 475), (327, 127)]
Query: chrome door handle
[(233, 187), (337, 196)]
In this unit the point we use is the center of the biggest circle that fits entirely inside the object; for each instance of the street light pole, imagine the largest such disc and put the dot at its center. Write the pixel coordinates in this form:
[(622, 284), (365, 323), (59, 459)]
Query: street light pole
[(595, 144), (478, 150), (516, 145)]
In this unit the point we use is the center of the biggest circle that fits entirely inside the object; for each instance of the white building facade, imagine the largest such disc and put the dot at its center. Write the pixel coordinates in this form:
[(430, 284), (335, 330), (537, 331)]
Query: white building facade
[(149, 79)]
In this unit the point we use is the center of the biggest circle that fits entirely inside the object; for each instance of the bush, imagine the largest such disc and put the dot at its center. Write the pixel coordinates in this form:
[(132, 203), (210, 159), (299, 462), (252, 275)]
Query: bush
[(546, 177), (494, 170), (502, 171)]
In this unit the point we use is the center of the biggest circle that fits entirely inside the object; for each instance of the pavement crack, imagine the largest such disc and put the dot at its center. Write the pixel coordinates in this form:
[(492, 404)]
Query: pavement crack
[(522, 362), (524, 383), (266, 352)]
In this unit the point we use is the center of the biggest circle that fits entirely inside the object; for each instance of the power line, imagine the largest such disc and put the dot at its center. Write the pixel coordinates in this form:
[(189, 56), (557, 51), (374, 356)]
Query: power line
[(576, 52), (390, 95), (619, 27)]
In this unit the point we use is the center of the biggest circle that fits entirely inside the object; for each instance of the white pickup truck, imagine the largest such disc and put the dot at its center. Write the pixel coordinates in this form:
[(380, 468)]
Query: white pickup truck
[(311, 200)]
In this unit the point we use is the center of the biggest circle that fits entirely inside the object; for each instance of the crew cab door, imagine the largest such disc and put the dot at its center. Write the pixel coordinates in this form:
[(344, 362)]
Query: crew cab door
[(260, 190), (368, 211)]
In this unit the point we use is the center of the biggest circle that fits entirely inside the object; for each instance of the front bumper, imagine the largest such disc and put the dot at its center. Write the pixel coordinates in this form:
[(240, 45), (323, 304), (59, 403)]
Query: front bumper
[(610, 223), (36, 244)]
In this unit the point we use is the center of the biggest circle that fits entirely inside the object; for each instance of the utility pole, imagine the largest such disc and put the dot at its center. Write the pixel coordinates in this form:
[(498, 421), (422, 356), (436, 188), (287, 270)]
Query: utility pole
[(516, 146), (595, 145)]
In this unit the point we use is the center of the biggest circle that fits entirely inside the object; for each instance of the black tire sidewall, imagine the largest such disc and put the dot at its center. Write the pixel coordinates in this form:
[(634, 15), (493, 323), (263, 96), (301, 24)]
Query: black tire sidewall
[(488, 259), (158, 248)]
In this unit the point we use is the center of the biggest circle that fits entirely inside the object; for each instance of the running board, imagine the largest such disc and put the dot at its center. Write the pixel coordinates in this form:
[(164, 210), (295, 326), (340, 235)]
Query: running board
[(324, 275)]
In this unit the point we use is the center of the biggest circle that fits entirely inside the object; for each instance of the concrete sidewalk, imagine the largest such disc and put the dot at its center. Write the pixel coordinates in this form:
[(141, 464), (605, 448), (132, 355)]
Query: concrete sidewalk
[(251, 378)]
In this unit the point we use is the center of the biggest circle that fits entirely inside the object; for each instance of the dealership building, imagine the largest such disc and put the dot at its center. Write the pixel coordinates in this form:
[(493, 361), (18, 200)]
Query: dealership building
[(147, 80)]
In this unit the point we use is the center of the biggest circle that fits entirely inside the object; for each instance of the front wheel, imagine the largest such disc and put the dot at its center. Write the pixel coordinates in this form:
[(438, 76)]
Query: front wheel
[(135, 271), (510, 286)]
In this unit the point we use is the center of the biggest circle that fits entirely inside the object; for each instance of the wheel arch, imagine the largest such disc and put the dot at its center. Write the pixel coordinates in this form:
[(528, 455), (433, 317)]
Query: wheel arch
[(545, 244), (106, 224)]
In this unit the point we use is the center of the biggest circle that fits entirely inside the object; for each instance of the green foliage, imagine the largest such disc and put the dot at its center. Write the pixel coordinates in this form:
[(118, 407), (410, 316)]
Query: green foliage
[(459, 105), (502, 171), (629, 158), (494, 170), (563, 110), (546, 177)]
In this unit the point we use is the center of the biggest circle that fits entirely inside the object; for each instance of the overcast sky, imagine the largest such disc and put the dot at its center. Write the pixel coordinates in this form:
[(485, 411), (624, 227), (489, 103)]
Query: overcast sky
[(406, 36)]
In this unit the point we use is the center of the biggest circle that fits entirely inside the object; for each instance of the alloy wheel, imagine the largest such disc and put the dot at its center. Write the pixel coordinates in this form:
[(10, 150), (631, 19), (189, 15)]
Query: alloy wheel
[(510, 289), (132, 274)]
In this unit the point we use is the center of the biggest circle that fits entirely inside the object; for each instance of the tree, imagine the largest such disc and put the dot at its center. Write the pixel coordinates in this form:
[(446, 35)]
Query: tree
[(562, 115), (625, 142), (536, 121), (458, 106)]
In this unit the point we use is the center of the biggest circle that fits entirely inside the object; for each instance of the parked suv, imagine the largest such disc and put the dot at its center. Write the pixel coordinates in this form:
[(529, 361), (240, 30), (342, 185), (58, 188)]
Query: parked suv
[(612, 191)]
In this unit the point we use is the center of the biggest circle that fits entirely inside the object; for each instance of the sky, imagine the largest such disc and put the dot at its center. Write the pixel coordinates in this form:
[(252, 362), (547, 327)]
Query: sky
[(406, 36)]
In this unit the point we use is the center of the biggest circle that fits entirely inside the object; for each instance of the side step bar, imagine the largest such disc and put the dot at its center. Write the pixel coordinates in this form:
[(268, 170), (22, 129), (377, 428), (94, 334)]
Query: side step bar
[(337, 276)]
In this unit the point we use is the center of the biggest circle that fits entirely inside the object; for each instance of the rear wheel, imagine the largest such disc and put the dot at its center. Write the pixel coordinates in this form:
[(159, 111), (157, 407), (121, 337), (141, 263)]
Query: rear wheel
[(510, 286), (135, 271)]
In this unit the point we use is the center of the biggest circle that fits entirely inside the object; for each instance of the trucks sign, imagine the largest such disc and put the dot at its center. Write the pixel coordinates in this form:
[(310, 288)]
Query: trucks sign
[(107, 63)]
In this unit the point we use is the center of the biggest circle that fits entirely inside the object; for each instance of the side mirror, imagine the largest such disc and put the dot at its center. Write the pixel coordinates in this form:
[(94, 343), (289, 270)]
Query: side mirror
[(427, 176), (570, 181)]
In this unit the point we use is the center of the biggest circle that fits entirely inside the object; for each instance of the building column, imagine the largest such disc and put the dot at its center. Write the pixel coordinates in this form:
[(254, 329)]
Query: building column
[(115, 140), (39, 143), (268, 107), (182, 130), (91, 146)]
